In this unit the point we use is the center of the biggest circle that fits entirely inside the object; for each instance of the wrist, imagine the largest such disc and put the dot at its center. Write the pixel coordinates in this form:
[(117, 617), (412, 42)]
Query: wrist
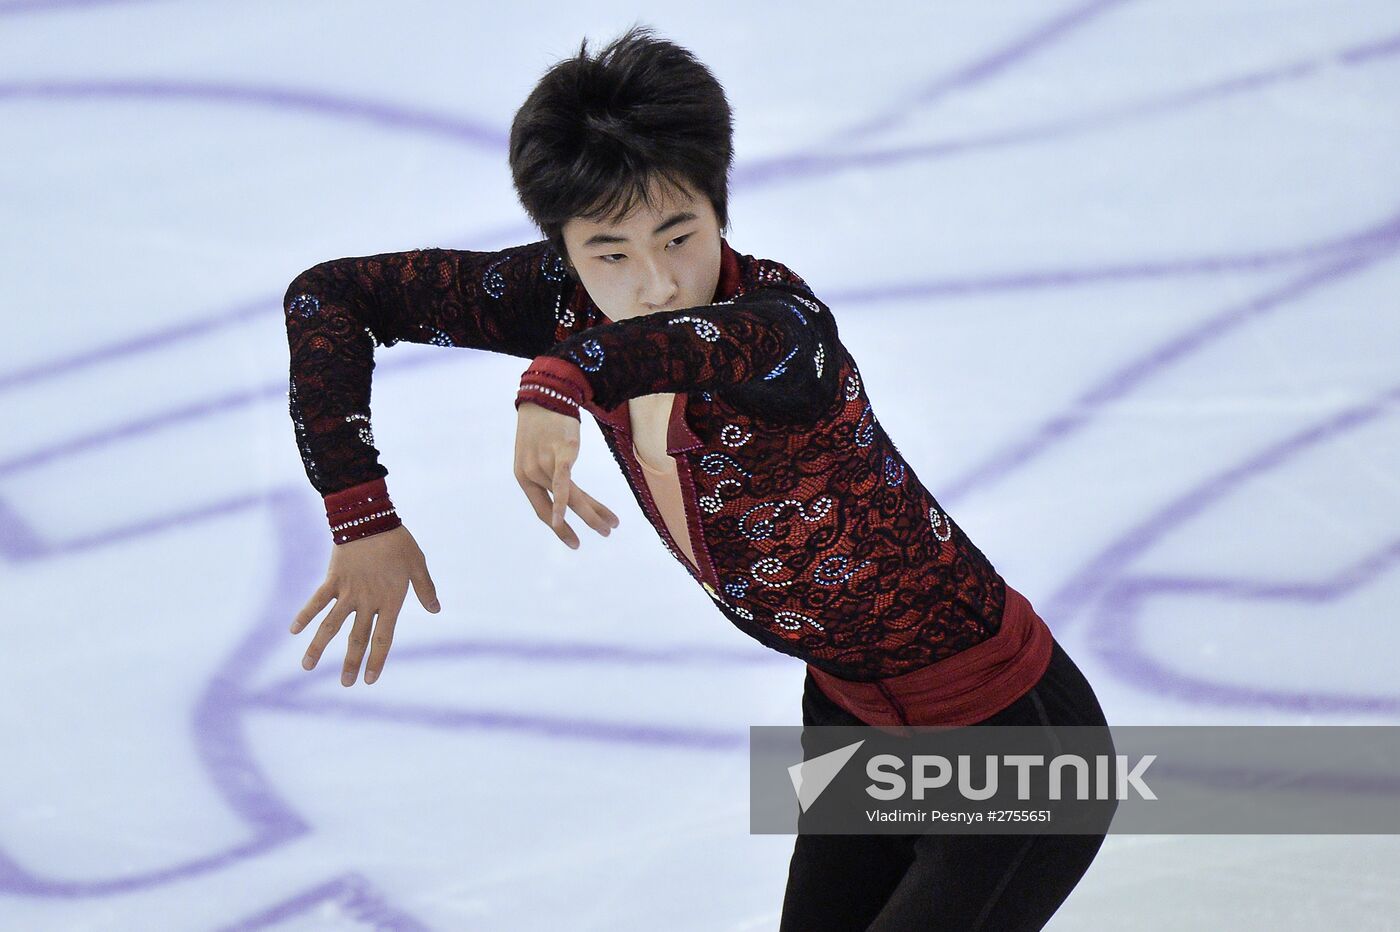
[(555, 384), (360, 511)]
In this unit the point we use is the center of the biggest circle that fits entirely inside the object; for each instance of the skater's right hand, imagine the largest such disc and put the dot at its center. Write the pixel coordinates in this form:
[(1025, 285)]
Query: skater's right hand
[(368, 576)]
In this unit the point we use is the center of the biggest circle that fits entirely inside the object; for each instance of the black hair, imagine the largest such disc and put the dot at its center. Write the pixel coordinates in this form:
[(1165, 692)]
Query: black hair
[(596, 131)]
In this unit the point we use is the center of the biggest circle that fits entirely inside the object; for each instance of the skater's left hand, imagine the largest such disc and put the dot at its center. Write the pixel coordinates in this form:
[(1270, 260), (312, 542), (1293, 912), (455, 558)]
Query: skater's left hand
[(546, 446)]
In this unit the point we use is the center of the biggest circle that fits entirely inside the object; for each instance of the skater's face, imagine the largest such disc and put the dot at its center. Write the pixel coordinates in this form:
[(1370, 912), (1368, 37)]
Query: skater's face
[(659, 258)]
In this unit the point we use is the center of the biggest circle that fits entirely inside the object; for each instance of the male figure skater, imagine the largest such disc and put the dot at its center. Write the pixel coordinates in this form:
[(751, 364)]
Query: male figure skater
[(742, 426)]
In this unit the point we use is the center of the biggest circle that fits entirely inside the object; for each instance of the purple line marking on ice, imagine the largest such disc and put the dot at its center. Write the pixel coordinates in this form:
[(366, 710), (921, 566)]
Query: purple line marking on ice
[(799, 167), (291, 693), (1115, 627), (221, 742), (980, 69), (353, 892), (133, 345), (172, 334), (1163, 268), (547, 725), (219, 738), (1120, 382), (172, 417), (20, 542), (16, 7), (1117, 637), (1077, 592), (590, 652), (280, 98)]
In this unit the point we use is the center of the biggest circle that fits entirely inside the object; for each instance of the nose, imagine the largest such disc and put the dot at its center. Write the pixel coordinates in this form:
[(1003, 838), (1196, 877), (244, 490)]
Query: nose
[(659, 288)]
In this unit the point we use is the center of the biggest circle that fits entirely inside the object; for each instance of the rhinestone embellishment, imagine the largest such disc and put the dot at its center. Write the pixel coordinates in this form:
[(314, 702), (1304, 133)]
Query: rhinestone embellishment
[(865, 431), (366, 435), (936, 520), (493, 281), (794, 620), (704, 329), (829, 575), (546, 390), (713, 503), (593, 356), (733, 436), (762, 528), (766, 567), (304, 305), (894, 471), (781, 367)]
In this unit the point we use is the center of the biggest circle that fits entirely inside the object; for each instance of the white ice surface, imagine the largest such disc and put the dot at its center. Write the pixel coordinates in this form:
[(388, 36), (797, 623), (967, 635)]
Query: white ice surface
[(1121, 277)]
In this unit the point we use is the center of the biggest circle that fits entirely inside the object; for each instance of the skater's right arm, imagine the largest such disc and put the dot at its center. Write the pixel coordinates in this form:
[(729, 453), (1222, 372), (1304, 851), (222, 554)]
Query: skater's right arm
[(336, 312)]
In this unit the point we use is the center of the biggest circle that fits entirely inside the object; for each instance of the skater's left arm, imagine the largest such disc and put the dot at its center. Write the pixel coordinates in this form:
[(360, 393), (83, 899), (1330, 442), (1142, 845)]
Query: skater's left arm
[(775, 345)]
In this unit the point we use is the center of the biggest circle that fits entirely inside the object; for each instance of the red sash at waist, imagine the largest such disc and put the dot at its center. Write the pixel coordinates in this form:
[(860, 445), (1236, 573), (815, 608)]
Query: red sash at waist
[(962, 689)]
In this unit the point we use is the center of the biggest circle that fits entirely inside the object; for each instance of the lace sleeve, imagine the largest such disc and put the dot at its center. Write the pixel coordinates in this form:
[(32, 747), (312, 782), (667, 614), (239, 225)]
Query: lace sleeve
[(768, 346), (337, 312)]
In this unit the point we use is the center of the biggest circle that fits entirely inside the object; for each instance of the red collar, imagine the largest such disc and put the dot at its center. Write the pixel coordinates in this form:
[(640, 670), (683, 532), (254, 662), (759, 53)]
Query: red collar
[(728, 272)]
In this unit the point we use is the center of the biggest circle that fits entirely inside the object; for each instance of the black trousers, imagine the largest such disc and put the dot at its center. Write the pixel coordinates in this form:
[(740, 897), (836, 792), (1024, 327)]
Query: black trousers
[(992, 883)]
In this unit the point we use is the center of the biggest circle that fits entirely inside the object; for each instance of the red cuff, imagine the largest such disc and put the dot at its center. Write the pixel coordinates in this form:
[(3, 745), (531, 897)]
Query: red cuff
[(556, 384), (360, 511)]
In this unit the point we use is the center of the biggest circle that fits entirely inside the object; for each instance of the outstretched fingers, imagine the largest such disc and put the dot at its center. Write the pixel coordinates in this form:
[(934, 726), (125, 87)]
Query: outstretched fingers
[(383, 640), (560, 490), (325, 633), (592, 511), (319, 600), (356, 644)]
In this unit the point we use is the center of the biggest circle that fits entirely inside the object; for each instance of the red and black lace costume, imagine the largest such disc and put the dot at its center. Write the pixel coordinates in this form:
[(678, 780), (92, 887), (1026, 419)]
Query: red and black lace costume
[(811, 532)]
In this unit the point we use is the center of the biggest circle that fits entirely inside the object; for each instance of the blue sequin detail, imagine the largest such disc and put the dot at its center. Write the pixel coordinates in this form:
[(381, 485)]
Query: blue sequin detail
[(437, 337), (894, 471), (829, 575), (304, 305), (493, 281), (594, 351), (737, 589), (782, 366), (552, 267), (865, 432), (716, 463)]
